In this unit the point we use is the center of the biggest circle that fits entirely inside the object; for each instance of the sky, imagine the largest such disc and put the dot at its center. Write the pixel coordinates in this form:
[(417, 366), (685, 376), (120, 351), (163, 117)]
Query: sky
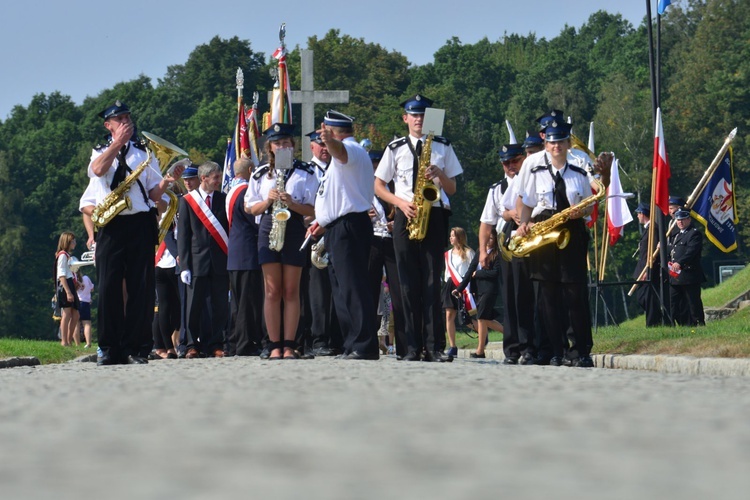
[(82, 47)]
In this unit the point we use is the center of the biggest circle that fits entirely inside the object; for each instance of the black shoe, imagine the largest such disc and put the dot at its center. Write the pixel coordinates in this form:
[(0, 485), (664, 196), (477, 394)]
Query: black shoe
[(510, 361), (412, 356), (556, 361), (361, 355), (585, 362), (437, 356), (542, 360), (104, 361), (477, 356), (308, 354), (136, 360), (526, 359), (326, 351), (265, 353)]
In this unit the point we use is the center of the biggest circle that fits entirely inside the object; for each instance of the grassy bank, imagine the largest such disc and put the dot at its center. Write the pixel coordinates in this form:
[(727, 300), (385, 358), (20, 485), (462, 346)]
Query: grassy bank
[(47, 351)]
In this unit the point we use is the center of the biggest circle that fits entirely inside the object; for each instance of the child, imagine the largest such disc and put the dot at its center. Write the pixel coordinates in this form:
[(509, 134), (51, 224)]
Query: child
[(66, 289)]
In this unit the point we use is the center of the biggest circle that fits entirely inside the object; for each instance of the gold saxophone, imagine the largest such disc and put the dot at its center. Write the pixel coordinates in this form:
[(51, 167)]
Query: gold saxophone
[(549, 231), (116, 201), (280, 215), (425, 193)]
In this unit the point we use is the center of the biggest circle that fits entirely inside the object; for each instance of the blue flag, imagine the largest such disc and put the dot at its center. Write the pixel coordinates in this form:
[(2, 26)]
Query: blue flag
[(229, 159), (662, 6), (716, 206)]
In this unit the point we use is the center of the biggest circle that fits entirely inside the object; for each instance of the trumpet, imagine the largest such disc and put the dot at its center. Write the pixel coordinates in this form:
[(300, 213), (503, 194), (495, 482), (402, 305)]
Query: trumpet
[(87, 259)]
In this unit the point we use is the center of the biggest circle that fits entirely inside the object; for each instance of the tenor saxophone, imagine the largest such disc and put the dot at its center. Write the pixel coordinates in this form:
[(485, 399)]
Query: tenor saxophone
[(425, 193), (280, 215), (116, 201), (549, 231)]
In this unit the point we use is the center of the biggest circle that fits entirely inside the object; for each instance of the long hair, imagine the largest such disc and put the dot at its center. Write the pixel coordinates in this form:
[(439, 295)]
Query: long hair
[(494, 250), (63, 244), (463, 248)]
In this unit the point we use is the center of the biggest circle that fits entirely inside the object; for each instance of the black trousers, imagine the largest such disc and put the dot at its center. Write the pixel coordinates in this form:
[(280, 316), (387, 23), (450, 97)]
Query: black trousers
[(325, 330), (125, 251), (383, 253), (647, 295), (518, 304), (247, 311), (420, 267), (687, 305), (348, 241), (169, 307), (217, 288)]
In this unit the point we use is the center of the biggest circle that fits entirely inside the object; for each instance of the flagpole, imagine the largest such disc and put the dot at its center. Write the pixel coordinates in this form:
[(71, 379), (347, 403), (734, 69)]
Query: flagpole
[(240, 81)]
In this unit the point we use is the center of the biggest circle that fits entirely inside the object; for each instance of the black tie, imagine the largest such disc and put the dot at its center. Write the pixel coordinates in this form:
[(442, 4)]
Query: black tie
[(120, 173), (561, 197), (417, 156)]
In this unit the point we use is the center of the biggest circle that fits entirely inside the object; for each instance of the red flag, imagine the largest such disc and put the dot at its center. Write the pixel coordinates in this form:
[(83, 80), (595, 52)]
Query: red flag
[(661, 166), (618, 213), (243, 140)]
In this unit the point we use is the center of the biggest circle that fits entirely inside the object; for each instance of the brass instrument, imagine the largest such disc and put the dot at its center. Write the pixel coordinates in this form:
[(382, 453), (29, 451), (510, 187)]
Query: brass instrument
[(87, 259), (549, 231), (425, 193), (319, 256), (117, 201), (280, 215), (165, 152)]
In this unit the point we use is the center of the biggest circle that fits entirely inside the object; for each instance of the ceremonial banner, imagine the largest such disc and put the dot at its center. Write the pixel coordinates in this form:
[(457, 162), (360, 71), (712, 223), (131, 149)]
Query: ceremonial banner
[(229, 157), (662, 6), (661, 166), (716, 206), (618, 213)]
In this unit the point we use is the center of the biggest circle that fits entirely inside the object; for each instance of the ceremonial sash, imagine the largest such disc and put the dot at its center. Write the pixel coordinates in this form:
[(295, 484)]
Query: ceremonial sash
[(471, 306), (160, 252), (234, 193), (207, 218)]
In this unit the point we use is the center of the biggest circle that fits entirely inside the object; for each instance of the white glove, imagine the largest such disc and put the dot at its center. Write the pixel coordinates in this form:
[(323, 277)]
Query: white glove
[(186, 276)]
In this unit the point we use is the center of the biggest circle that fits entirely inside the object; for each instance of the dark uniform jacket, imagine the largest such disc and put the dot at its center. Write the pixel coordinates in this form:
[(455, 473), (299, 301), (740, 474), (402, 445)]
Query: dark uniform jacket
[(243, 239), (685, 249), (199, 252)]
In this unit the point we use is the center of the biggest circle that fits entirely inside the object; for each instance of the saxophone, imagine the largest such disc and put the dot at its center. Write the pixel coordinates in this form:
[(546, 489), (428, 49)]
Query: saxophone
[(116, 201), (425, 193), (549, 231), (280, 215), (319, 256)]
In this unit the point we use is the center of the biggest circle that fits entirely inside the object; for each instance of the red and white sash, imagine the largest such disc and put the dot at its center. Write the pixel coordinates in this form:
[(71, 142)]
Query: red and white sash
[(469, 302), (234, 193), (207, 218), (159, 252)]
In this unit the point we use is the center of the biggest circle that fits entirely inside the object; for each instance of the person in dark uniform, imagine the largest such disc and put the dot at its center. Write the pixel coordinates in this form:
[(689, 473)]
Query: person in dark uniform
[(550, 184), (325, 332), (245, 276), (686, 273), (272, 190), (382, 254), (647, 293), (517, 288), (202, 243), (341, 207), (125, 245), (420, 263)]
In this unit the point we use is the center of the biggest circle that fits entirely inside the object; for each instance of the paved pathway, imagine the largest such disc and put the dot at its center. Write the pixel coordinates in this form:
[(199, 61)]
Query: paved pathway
[(329, 429)]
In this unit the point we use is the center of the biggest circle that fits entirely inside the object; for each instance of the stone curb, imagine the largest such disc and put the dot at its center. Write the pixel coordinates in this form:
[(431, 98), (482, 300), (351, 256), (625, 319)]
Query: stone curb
[(722, 367), (14, 362)]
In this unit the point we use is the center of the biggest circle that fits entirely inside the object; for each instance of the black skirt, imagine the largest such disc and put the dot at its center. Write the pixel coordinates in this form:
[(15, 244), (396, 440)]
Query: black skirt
[(62, 297), (294, 235), (446, 296), (486, 306)]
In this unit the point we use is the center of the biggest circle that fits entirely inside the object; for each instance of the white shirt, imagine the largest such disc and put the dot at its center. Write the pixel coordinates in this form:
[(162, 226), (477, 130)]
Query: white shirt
[(320, 167), (150, 178), (345, 188), (397, 165), (498, 202), (461, 266), (63, 267), (537, 187), (301, 185), (84, 294)]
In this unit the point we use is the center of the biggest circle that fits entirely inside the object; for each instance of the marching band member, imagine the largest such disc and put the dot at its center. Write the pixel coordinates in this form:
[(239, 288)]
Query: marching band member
[(550, 184), (282, 269), (420, 263)]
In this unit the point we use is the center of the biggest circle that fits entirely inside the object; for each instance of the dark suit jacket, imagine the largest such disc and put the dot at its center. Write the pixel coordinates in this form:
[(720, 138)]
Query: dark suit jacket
[(243, 239), (686, 250), (199, 252), (486, 280), (643, 256)]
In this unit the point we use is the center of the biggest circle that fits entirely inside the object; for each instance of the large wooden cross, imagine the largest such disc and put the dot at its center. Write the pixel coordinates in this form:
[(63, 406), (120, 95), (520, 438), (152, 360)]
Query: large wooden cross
[(308, 97)]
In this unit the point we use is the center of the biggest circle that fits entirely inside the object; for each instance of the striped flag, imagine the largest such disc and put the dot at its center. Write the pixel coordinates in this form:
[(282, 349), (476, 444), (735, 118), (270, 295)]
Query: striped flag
[(661, 166), (281, 106), (618, 213)]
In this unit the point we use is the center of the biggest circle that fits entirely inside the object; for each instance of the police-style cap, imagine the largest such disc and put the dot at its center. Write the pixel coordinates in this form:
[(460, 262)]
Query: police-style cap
[(532, 139), (375, 155), (643, 209), (336, 119), (416, 105), (676, 200), (510, 151), (314, 137), (557, 131), (279, 131), (547, 118), (190, 173), (117, 109), (681, 214)]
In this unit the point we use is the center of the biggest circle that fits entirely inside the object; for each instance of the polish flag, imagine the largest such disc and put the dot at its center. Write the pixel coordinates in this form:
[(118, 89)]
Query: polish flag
[(661, 166), (618, 213)]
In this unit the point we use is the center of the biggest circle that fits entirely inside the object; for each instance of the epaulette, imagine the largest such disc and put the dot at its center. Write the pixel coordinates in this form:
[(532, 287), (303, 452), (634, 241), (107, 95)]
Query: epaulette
[(441, 140), (538, 168), (139, 145), (496, 184), (261, 171), (303, 165), (102, 145), (397, 143), (580, 170)]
